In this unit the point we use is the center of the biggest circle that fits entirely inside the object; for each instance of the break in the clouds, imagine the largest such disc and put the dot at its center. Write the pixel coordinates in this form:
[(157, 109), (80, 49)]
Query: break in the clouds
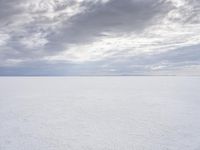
[(99, 37)]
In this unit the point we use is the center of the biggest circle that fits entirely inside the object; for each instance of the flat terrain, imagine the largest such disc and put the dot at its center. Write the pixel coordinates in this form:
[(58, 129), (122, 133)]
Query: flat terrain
[(99, 113)]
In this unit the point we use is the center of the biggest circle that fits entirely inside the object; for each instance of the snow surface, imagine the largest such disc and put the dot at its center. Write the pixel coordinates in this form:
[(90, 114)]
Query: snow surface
[(99, 113)]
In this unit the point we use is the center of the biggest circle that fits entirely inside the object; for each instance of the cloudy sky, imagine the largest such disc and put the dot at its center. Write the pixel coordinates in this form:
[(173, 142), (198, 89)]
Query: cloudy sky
[(99, 37)]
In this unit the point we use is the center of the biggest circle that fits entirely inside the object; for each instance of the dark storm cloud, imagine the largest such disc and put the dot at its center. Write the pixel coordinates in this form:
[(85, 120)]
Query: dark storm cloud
[(116, 16)]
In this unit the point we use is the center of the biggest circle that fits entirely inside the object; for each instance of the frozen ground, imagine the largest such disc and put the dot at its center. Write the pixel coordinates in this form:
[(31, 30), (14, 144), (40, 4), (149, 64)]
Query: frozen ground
[(100, 113)]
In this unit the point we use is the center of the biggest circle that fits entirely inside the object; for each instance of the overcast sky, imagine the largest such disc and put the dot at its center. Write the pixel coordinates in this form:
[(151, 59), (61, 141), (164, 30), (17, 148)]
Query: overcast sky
[(99, 37)]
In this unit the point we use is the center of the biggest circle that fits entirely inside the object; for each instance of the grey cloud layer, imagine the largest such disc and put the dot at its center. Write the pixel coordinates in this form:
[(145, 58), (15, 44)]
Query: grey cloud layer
[(59, 37), (115, 16)]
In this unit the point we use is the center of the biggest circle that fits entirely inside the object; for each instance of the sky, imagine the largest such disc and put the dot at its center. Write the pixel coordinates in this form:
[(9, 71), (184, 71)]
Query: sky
[(99, 37)]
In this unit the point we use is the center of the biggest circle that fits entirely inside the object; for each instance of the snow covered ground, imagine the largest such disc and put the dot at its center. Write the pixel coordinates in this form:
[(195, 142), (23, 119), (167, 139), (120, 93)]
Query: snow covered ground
[(100, 113)]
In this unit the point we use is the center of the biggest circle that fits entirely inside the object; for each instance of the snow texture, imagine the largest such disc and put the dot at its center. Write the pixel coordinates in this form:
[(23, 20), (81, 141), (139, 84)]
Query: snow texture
[(99, 113)]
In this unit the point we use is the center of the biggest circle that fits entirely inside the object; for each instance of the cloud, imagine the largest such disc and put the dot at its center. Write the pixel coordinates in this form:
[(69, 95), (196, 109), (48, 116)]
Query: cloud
[(99, 36)]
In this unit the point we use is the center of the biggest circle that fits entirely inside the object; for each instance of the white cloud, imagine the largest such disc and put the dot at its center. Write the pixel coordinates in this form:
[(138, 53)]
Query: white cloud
[(3, 39), (34, 41)]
